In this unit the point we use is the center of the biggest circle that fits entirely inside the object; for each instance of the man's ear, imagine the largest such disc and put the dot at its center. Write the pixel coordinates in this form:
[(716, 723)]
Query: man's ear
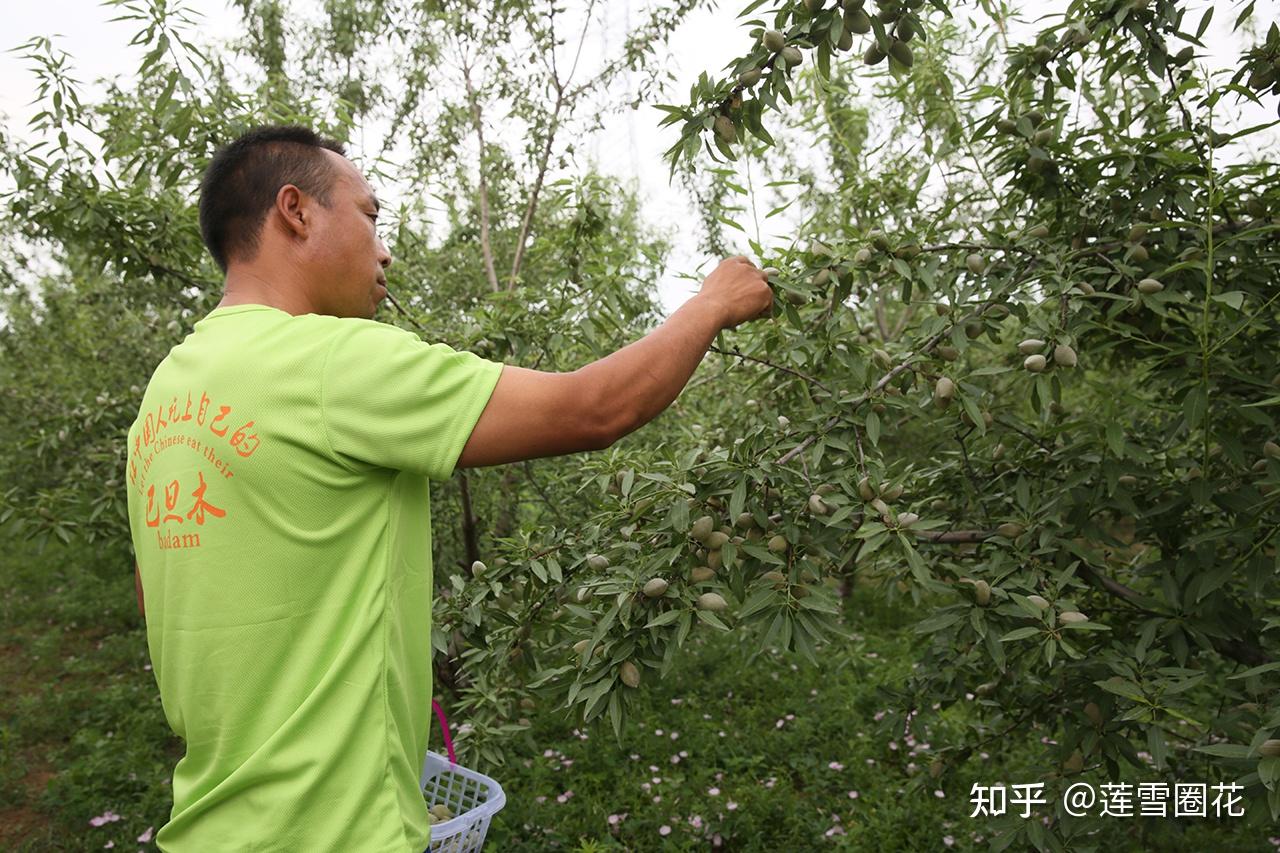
[(290, 206)]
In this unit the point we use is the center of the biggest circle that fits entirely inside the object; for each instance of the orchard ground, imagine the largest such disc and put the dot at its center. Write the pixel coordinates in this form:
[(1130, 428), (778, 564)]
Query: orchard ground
[(770, 754)]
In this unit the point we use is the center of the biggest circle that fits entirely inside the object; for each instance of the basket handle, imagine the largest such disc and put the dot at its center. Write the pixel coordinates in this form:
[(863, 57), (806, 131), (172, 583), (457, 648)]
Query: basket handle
[(444, 727)]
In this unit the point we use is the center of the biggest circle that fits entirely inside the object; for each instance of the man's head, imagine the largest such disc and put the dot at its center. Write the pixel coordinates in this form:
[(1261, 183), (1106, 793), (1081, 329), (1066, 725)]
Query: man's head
[(284, 207)]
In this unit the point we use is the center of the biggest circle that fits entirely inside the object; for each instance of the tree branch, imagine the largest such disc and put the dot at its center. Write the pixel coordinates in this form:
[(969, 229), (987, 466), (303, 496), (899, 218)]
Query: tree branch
[(486, 245)]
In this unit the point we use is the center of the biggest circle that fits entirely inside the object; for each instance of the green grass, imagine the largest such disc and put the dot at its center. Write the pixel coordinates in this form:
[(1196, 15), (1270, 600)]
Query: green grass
[(82, 732)]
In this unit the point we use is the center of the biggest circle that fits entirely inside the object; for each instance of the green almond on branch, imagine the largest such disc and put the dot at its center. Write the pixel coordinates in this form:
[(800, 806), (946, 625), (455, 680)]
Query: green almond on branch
[(777, 543), (702, 574), (1150, 285), (1039, 601), (1071, 617), (975, 263), (1034, 363), (900, 51), (856, 20), (655, 587), (982, 593), (1271, 449), (725, 130), (773, 40), (1064, 355), (792, 56), (1010, 530), (750, 77), (629, 674), (1030, 345), (873, 54), (712, 601), (864, 489), (947, 352)]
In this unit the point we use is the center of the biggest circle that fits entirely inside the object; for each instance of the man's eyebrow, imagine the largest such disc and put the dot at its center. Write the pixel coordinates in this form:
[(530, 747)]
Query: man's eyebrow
[(373, 198)]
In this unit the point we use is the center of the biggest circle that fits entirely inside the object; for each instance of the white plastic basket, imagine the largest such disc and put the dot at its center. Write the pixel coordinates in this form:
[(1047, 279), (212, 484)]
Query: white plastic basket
[(472, 797)]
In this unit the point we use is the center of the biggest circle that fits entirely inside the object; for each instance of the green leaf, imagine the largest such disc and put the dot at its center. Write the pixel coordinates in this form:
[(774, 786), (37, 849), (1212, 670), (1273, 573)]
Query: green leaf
[(664, 618), (1020, 634), (1224, 750), (938, 621)]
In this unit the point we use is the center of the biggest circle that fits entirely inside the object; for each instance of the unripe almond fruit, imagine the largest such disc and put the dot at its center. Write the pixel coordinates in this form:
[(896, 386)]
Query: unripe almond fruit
[(975, 263), (701, 528), (892, 493), (1034, 363), (882, 358), (582, 595), (701, 574), (597, 562), (774, 40), (1039, 601), (712, 601), (1270, 448), (864, 489), (982, 593), (723, 126), (749, 77), (714, 560), (775, 577), (655, 587), (880, 506), (1070, 617), (1150, 285), (1127, 480), (777, 543), (1010, 530), (792, 56), (1039, 232), (745, 520), (1030, 345), (478, 569), (1270, 748), (800, 591), (1064, 355), (817, 505), (1094, 713), (943, 390), (907, 519), (629, 674), (947, 351)]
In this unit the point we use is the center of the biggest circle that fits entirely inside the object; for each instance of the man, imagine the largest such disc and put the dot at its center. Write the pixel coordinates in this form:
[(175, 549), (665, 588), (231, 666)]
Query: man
[(278, 476)]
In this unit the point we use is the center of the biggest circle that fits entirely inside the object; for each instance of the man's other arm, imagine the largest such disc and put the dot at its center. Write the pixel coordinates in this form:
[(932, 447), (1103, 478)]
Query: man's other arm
[(532, 414)]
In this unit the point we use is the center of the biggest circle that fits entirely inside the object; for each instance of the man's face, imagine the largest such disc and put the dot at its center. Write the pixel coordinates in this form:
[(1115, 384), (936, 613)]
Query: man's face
[(346, 256)]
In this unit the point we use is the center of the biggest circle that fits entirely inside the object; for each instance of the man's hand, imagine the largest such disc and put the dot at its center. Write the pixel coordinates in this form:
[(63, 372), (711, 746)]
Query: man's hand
[(740, 290)]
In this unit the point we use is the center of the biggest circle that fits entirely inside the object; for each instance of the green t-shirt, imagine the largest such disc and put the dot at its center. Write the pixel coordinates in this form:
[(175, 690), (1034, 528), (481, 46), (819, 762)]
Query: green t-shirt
[(278, 494)]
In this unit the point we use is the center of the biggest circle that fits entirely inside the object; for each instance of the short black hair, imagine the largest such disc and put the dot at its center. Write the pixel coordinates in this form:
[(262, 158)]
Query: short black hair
[(241, 181)]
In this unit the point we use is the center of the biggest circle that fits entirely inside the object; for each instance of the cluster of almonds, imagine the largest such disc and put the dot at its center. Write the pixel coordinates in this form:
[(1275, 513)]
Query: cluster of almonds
[(1063, 355), (879, 496)]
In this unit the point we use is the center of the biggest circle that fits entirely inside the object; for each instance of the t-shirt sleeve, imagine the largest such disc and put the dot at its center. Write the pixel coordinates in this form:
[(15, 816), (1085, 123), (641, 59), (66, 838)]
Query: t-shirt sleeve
[(392, 400)]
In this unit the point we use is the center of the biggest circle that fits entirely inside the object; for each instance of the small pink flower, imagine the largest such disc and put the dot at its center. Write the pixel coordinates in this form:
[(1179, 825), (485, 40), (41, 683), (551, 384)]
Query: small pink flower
[(948, 840), (715, 792), (836, 765), (835, 830), (696, 821), (879, 715), (675, 759), (893, 745), (109, 845), (853, 795), (871, 761), (939, 794), (731, 806), (541, 798), (664, 830), (658, 732), (675, 735), (146, 836), (615, 819)]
